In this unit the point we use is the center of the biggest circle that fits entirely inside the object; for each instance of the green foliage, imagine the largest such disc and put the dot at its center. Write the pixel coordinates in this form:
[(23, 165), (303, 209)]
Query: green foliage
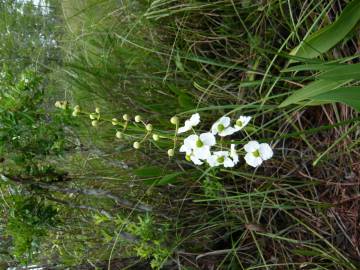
[(347, 95), (152, 241), (327, 37), (333, 75), (28, 223), (327, 87), (212, 187), (27, 35), (28, 131), (159, 59)]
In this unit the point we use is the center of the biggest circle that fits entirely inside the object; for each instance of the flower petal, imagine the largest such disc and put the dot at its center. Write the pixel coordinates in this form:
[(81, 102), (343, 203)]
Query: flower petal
[(191, 140), (214, 128), (265, 151), (251, 146), (227, 131), (208, 139), (252, 160), (196, 160), (225, 121), (244, 120), (187, 126), (183, 130), (202, 152), (233, 154), (185, 148), (212, 160), (221, 153), (228, 162), (194, 119)]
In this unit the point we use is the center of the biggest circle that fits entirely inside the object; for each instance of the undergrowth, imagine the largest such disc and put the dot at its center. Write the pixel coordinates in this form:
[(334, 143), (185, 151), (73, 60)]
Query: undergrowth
[(158, 59)]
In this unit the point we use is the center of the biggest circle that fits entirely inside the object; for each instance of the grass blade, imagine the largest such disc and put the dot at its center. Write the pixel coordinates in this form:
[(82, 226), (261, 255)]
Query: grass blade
[(327, 37)]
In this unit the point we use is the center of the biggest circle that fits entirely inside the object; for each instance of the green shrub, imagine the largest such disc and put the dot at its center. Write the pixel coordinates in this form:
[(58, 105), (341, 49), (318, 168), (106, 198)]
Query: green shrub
[(28, 223)]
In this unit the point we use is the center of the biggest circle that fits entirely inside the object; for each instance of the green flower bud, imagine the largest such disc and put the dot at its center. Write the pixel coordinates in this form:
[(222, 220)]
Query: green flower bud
[(64, 105), (136, 145), (94, 123), (57, 104), (92, 116), (138, 118), (61, 104), (114, 121), (119, 135), (126, 117), (155, 137), (77, 108), (97, 110), (174, 120), (149, 127), (171, 152)]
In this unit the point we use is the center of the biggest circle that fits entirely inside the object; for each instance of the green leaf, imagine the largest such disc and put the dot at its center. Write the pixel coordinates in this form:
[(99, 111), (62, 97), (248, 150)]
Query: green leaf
[(313, 89), (149, 171), (342, 72), (327, 37), (311, 67), (346, 95), (186, 102), (305, 252), (167, 179)]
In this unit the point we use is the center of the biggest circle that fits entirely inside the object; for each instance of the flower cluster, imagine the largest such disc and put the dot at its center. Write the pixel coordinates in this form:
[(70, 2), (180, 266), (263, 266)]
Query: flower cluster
[(198, 148)]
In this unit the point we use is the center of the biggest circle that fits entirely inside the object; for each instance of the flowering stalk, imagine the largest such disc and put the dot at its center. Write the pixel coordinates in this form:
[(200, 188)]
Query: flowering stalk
[(198, 148)]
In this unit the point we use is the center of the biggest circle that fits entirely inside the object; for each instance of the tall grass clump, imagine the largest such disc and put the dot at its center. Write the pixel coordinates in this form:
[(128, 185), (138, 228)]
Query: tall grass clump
[(167, 58), (139, 195)]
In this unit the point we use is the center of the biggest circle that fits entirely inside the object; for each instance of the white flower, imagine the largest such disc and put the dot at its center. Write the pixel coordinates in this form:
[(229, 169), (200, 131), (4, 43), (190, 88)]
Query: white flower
[(221, 158), (257, 153), (190, 123), (197, 148), (222, 127), (242, 122), (233, 154), (202, 144), (187, 148), (194, 159)]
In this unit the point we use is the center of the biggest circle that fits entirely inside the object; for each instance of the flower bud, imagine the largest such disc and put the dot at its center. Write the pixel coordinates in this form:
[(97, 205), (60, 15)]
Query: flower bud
[(136, 145), (114, 121), (119, 135), (171, 152), (92, 116), (57, 104), (138, 119), (97, 110), (94, 123), (61, 104), (155, 137), (126, 117), (77, 108), (174, 120), (149, 127)]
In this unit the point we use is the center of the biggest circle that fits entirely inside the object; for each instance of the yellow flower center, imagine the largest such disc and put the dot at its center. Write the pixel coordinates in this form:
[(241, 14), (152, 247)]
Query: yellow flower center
[(199, 143), (256, 153), (220, 127), (239, 123), (220, 159)]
